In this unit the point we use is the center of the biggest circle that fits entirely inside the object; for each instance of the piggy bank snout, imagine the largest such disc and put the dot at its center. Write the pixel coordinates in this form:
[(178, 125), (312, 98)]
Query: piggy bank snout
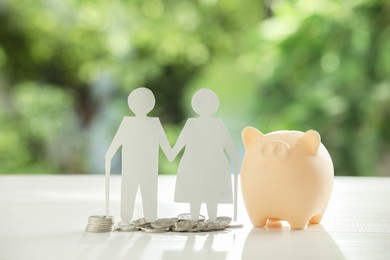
[(274, 149)]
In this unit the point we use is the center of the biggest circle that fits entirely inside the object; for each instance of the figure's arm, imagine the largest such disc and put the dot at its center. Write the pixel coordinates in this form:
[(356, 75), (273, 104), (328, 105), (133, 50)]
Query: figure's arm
[(164, 144), (180, 143)]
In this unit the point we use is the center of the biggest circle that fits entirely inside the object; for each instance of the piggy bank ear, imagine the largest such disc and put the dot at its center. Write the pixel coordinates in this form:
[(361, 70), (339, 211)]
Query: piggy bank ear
[(249, 135), (311, 140)]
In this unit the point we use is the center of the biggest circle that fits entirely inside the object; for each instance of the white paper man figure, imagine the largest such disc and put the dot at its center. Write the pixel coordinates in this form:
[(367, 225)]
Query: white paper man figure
[(140, 137), (204, 171)]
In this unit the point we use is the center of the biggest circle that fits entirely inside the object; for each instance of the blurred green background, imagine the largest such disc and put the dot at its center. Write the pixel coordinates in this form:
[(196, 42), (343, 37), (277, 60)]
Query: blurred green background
[(66, 68)]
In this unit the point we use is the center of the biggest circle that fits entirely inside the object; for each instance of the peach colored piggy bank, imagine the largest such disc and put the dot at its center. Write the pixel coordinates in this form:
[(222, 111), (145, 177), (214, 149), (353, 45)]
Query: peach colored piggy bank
[(285, 175)]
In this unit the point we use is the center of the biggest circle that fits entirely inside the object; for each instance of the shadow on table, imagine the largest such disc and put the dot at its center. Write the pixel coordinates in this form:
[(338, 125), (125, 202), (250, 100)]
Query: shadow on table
[(139, 245), (278, 242), (192, 250), (114, 246)]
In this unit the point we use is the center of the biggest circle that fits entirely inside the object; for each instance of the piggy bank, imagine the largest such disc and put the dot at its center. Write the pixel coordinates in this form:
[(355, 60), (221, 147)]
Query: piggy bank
[(285, 175)]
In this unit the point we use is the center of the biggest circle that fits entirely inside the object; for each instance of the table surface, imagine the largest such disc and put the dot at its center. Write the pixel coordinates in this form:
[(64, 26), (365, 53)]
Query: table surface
[(44, 217)]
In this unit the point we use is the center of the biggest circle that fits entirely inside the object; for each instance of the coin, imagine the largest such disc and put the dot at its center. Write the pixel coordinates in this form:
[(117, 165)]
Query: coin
[(187, 216), (97, 228), (183, 223), (129, 228), (164, 222), (140, 222), (211, 226), (184, 226), (154, 230), (99, 223), (91, 229), (223, 222), (200, 226), (97, 231), (101, 218)]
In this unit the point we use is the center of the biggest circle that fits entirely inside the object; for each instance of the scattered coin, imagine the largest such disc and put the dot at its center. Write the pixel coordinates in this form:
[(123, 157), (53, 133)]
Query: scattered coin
[(141, 222), (128, 228), (164, 222), (200, 226), (187, 216), (182, 226), (154, 230), (182, 223), (223, 222), (211, 226)]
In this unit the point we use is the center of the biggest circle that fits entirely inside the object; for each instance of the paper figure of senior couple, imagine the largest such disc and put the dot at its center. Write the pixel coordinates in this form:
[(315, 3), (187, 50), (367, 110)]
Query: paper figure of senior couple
[(204, 174)]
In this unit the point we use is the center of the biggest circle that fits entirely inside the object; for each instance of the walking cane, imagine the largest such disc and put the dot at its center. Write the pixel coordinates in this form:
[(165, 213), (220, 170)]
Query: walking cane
[(235, 192), (107, 173)]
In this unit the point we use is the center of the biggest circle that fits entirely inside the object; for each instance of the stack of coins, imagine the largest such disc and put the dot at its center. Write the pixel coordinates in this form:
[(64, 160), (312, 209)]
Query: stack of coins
[(100, 223), (182, 223)]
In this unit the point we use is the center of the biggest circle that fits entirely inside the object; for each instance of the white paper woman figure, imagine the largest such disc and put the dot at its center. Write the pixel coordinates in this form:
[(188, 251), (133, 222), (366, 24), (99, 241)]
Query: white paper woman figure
[(204, 170), (140, 137)]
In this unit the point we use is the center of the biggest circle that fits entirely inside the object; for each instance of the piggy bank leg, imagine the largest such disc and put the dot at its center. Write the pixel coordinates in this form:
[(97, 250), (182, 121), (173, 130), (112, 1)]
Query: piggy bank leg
[(298, 223), (258, 220), (316, 219)]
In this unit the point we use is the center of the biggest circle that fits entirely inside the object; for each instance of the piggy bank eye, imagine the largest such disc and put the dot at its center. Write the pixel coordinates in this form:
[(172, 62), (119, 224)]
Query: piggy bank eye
[(274, 149)]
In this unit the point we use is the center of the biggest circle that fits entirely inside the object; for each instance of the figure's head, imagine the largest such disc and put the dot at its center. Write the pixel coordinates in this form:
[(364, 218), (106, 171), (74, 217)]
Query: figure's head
[(141, 101), (205, 102)]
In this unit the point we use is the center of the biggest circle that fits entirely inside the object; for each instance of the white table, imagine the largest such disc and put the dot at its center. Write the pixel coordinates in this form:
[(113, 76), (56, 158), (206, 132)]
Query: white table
[(43, 217)]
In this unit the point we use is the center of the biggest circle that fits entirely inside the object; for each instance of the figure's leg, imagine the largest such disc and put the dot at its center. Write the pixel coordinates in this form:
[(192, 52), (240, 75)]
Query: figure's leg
[(128, 192), (149, 198), (212, 209), (195, 210)]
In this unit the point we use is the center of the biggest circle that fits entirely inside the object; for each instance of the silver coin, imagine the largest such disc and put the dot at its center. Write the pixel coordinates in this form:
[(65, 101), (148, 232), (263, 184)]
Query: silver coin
[(187, 216), (99, 227), (100, 221), (223, 222), (129, 228), (101, 218), (164, 222), (154, 230), (140, 222), (211, 226), (96, 230), (185, 225), (100, 224), (200, 226), (94, 218)]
